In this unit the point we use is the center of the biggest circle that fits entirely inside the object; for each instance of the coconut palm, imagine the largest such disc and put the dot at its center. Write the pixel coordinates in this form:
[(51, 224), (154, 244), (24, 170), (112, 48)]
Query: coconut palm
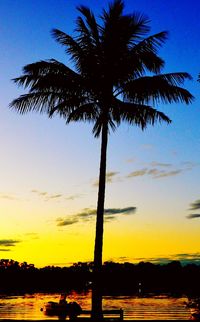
[(115, 77)]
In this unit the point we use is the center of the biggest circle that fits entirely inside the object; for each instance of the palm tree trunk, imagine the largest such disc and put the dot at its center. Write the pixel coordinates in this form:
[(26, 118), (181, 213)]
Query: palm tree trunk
[(96, 289)]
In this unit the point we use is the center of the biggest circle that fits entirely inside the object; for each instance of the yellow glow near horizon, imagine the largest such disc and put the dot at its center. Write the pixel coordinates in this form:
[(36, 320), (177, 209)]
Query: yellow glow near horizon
[(125, 238)]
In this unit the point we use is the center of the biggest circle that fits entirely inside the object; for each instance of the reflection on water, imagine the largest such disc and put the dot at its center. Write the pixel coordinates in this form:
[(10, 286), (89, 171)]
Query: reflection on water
[(27, 307)]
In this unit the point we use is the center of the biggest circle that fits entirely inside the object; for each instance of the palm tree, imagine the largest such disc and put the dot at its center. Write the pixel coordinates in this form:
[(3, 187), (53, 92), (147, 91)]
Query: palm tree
[(115, 77)]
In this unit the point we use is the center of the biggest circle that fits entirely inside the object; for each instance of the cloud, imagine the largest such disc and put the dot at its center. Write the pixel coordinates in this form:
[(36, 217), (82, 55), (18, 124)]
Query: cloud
[(46, 195), (4, 250), (160, 164), (163, 174), (158, 170), (192, 216), (109, 218), (89, 213), (131, 160), (125, 211), (39, 193), (8, 196), (195, 205), (72, 197), (155, 173), (8, 242), (190, 165), (32, 235), (57, 196), (138, 173), (184, 258), (187, 258), (109, 178), (108, 212), (66, 222)]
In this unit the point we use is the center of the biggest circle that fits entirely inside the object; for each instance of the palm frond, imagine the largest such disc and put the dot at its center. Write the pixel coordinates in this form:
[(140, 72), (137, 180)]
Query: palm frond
[(48, 72), (175, 79), (92, 27), (139, 25), (123, 30), (115, 9), (159, 88), (151, 43), (85, 112), (35, 102), (144, 54), (68, 106), (137, 114), (100, 121), (73, 48)]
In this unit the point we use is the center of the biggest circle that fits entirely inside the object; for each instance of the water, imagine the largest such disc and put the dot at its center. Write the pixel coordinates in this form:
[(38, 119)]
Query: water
[(27, 307)]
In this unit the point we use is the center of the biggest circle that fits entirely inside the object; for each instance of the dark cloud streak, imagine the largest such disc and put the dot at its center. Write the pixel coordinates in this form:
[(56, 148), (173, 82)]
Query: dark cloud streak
[(192, 216), (88, 214), (9, 242), (195, 205)]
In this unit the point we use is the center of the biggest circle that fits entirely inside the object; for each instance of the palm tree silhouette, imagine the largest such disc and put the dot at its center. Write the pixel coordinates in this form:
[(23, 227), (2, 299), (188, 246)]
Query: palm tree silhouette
[(116, 76)]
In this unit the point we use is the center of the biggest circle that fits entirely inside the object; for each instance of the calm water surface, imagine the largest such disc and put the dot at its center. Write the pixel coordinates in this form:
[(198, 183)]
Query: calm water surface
[(27, 307)]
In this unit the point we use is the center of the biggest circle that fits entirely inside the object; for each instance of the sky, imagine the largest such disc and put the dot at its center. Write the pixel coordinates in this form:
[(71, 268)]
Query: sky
[(49, 171)]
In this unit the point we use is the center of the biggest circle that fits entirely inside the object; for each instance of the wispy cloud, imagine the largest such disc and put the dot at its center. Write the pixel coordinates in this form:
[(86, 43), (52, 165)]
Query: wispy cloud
[(66, 222), (190, 165), (9, 242), (131, 160), (32, 235), (72, 197), (192, 216), (46, 195), (138, 173), (39, 193), (122, 211), (155, 173), (184, 258), (89, 213), (8, 196), (54, 197), (159, 170), (195, 205), (160, 164), (163, 174), (110, 176)]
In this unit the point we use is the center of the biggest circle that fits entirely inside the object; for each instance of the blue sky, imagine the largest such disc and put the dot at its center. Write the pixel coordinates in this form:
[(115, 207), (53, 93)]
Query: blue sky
[(48, 169)]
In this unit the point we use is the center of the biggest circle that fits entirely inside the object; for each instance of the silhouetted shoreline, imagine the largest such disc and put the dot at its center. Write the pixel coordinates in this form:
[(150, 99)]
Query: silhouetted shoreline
[(141, 279)]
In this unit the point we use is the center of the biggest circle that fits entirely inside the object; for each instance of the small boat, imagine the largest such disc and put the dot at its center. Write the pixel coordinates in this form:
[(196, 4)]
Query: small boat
[(195, 313), (194, 306), (71, 309)]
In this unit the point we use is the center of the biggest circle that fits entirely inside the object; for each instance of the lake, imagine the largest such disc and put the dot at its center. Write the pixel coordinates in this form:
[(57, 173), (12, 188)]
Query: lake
[(27, 307)]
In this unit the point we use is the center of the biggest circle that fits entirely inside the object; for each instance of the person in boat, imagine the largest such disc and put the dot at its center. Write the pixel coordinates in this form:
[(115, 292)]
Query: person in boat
[(73, 308), (63, 299)]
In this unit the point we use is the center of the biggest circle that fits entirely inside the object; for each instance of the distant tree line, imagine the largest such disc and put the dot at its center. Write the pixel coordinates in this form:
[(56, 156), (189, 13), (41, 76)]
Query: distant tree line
[(117, 278)]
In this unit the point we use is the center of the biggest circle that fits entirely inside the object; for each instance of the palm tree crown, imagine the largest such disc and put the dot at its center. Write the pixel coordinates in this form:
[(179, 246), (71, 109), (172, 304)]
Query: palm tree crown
[(108, 78), (115, 77)]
